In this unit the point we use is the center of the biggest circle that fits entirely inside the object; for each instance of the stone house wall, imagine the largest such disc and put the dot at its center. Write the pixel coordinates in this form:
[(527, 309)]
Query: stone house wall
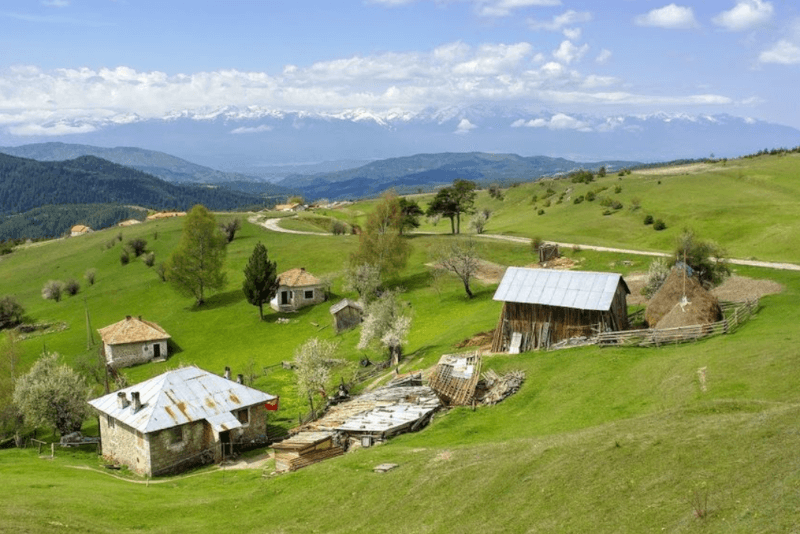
[(128, 354), (177, 448), (124, 445), (298, 298)]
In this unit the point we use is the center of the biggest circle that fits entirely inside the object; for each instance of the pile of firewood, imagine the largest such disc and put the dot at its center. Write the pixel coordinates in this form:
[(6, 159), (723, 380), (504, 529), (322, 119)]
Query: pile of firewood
[(494, 388)]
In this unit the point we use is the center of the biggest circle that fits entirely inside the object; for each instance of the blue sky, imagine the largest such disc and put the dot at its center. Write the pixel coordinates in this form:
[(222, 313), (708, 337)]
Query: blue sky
[(73, 66)]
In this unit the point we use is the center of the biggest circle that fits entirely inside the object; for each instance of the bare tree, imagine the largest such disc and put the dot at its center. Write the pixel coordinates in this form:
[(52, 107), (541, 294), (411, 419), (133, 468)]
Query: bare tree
[(461, 258), (230, 228), (387, 324)]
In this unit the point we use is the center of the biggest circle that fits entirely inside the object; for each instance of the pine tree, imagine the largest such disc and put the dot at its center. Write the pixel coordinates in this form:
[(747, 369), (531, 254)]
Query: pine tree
[(260, 279)]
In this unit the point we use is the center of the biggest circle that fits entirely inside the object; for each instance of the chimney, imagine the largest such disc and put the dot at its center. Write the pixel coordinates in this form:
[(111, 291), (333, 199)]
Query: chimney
[(240, 379), (137, 404), (122, 400), (227, 374)]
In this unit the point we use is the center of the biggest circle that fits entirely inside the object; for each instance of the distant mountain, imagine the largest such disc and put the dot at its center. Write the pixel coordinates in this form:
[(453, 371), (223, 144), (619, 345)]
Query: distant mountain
[(425, 170), (159, 164), (276, 173), (26, 184), (54, 221)]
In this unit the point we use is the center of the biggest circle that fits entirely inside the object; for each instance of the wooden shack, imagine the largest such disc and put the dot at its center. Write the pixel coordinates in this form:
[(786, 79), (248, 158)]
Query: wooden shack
[(304, 449), (542, 307), (347, 314)]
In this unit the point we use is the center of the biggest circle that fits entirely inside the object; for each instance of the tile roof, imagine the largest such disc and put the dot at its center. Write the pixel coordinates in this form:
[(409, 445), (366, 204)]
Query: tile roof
[(80, 228), (566, 289), (182, 396), (298, 278), (132, 330)]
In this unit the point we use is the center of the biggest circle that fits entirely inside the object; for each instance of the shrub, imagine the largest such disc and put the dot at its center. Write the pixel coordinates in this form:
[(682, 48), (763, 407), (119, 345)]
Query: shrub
[(137, 246), (161, 271), (659, 225), (338, 227), (608, 212), (540, 212), (124, 258), (534, 199), (656, 274), (616, 204), (590, 196), (605, 202), (546, 203), (577, 200), (72, 287), (576, 249), (149, 259), (648, 219), (155, 235), (495, 191), (119, 236), (52, 290), (90, 275), (618, 189), (111, 243), (636, 204), (536, 242), (11, 312)]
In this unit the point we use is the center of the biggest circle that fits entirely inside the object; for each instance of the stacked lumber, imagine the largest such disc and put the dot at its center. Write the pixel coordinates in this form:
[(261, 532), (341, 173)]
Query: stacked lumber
[(455, 377), (304, 449), (496, 388)]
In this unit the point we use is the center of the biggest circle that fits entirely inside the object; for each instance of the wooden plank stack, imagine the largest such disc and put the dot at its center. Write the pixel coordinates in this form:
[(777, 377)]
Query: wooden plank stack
[(304, 449)]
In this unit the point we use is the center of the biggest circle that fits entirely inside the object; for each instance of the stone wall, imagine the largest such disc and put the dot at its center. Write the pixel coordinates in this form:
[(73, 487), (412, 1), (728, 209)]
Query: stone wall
[(298, 298), (124, 445), (169, 455), (129, 354)]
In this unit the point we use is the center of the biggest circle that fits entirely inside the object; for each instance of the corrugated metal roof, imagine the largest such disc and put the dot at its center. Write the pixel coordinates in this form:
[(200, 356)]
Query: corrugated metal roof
[(387, 418), (182, 396), (565, 289)]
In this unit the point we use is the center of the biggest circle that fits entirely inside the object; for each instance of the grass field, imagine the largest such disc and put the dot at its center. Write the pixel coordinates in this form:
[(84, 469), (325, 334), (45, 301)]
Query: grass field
[(597, 440)]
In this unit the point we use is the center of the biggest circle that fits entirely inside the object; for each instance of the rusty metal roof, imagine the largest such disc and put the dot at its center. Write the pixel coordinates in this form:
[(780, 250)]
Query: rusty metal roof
[(581, 290), (182, 396), (132, 330)]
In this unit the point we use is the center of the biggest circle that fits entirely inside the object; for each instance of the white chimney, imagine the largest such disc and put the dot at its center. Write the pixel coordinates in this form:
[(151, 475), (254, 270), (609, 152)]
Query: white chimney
[(227, 374), (122, 400), (240, 379), (136, 403)]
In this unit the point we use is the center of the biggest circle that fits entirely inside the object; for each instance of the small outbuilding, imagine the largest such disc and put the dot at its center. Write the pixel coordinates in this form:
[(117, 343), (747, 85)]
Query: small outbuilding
[(297, 288), (133, 340), (179, 419), (542, 307), (79, 229), (347, 314)]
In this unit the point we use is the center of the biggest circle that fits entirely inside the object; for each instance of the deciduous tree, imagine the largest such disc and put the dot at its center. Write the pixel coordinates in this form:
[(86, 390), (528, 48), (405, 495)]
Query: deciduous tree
[(707, 259), (230, 228), (386, 323), (461, 258), (452, 201), (313, 361), (380, 243), (196, 264), (260, 279), (53, 394)]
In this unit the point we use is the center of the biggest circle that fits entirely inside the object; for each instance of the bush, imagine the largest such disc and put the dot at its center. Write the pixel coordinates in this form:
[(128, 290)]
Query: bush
[(161, 271), (577, 200), (605, 202), (72, 287), (536, 242), (124, 258), (338, 227), (659, 225), (540, 212), (11, 312), (546, 203), (137, 246), (656, 274), (90, 275), (590, 196), (149, 259), (52, 290), (648, 219), (618, 189), (616, 204), (608, 212)]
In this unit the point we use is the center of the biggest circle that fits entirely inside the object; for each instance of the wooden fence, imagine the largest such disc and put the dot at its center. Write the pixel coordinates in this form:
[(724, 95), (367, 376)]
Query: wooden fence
[(735, 314)]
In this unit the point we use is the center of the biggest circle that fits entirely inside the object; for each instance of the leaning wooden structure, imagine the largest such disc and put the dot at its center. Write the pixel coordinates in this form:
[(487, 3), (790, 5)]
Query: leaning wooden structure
[(542, 307)]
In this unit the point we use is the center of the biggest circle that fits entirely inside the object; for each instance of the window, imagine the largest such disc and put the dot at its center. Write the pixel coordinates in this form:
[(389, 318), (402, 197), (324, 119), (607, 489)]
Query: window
[(175, 435), (309, 294), (110, 421), (243, 416)]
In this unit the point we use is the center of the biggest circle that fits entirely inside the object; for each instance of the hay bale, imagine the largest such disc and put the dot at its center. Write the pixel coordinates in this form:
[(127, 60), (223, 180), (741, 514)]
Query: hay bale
[(703, 308)]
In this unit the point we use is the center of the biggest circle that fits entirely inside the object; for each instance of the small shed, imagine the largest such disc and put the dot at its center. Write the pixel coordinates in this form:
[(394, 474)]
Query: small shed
[(178, 419), (347, 314), (133, 340), (79, 229), (541, 307), (297, 288)]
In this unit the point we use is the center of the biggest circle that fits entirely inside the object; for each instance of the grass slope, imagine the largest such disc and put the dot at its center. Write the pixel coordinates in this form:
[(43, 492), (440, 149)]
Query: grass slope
[(607, 440)]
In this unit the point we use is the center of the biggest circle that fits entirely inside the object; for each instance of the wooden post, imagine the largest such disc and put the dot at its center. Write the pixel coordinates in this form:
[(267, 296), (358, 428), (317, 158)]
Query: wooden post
[(52, 450)]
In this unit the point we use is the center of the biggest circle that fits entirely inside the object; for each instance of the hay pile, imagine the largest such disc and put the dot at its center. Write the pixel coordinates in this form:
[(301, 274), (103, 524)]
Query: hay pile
[(664, 309)]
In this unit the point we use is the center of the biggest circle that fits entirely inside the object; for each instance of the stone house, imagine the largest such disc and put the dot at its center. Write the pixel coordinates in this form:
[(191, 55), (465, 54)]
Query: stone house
[(133, 340), (79, 229), (180, 419), (297, 288)]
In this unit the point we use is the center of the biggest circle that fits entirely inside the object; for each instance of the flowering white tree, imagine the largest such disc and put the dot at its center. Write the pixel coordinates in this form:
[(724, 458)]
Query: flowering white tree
[(386, 323), (313, 361), (52, 393)]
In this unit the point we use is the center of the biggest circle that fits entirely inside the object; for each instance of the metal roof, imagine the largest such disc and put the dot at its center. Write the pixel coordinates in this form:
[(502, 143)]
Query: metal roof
[(342, 304), (182, 396), (566, 289)]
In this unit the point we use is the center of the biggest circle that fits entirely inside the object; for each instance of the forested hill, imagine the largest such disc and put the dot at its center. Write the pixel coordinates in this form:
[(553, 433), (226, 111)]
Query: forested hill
[(26, 184)]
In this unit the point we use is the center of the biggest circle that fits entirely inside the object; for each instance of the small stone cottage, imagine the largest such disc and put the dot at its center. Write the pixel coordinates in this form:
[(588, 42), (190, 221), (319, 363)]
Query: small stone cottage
[(79, 229), (179, 419), (297, 288), (133, 340)]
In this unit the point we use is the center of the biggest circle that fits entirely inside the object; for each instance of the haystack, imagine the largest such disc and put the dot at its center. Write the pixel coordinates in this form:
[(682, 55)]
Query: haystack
[(665, 311)]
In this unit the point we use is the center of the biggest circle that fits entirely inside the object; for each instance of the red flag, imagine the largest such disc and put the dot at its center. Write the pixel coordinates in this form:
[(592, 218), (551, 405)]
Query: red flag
[(273, 404)]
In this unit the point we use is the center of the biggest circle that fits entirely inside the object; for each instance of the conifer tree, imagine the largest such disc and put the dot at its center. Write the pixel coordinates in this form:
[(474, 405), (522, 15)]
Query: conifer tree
[(260, 279)]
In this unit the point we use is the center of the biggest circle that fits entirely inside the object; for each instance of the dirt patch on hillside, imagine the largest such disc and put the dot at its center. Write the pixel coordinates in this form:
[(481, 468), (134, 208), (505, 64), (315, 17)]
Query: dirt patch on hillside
[(691, 168), (738, 288), (482, 340), (490, 273)]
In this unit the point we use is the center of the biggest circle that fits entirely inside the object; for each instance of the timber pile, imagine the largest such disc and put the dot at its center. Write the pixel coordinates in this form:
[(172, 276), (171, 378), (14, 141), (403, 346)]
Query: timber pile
[(304, 449), (455, 377), (495, 388)]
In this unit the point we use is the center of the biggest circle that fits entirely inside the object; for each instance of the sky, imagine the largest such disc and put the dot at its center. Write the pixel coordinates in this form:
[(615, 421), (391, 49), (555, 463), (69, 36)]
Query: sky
[(75, 66)]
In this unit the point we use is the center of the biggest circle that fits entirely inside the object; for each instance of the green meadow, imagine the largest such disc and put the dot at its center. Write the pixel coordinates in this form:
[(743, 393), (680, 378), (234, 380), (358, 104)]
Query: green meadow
[(596, 440)]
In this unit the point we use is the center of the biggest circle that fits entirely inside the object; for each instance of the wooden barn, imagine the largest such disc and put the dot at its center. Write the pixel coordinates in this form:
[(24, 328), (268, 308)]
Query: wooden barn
[(347, 314), (542, 307)]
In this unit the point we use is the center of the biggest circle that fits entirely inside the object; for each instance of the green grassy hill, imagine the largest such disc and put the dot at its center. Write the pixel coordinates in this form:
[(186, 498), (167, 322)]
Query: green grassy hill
[(597, 440)]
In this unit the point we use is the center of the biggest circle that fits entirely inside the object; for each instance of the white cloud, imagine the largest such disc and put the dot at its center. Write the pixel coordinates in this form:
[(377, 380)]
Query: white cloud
[(252, 129), (464, 127), (30, 130), (782, 52), (559, 121), (572, 34), (594, 80), (503, 8), (745, 15), (603, 56), (55, 3), (672, 17), (568, 52), (568, 18)]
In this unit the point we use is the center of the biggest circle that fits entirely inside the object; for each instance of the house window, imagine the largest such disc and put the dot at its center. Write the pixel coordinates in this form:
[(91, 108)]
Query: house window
[(175, 435), (110, 421), (309, 294), (243, 416)]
